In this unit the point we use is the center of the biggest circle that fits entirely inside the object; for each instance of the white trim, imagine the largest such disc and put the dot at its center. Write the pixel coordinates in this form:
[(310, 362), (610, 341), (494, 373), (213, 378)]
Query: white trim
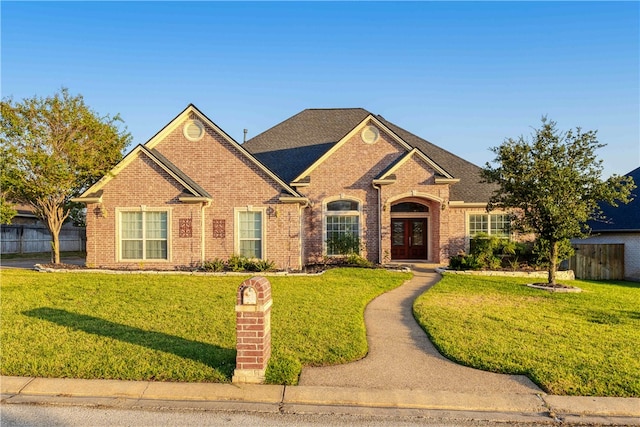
[(461, 204), (413, 194), (448, 179), (142, 208), (263, 228)]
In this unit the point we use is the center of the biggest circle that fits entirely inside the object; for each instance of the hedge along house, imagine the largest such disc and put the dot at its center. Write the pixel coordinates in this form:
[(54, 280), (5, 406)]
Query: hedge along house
[(192, 193)]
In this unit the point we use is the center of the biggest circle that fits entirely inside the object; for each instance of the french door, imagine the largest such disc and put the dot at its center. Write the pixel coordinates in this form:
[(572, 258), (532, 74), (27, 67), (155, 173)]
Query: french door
[(409, 238)]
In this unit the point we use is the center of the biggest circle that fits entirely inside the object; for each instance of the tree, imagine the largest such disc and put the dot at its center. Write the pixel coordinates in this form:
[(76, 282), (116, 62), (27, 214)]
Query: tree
[(552, 185), (55, 148)]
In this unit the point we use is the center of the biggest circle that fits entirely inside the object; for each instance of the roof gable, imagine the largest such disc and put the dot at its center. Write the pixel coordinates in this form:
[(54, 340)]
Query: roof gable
[(193, 189), (441, 174)]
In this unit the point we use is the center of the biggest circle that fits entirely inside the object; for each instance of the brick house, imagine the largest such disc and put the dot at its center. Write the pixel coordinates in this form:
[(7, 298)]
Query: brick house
[(191, 193)]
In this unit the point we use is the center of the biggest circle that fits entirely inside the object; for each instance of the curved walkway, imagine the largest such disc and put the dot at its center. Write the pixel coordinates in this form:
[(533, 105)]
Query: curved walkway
[(402, 357)]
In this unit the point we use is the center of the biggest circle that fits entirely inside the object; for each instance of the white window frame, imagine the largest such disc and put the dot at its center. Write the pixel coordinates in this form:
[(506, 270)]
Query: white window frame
[(488, 216), (263, 226), (119, 239), (326, 213)]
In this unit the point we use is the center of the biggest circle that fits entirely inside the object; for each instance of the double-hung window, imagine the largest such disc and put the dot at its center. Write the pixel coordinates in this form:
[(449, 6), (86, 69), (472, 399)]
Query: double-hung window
[(250, 235), (143, 235), (497, 225), (342, 227)]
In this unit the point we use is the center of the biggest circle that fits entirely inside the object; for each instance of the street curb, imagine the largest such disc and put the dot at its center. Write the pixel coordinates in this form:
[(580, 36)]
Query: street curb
[(320, 400)]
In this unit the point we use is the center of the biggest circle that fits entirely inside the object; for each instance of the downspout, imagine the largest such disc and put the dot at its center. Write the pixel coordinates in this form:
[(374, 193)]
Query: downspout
[(379, 188), (300, 235), (202, 231)]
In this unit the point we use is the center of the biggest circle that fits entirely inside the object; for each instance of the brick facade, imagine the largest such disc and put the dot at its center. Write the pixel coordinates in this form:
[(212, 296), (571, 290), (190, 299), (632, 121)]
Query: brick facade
[(293, 218)]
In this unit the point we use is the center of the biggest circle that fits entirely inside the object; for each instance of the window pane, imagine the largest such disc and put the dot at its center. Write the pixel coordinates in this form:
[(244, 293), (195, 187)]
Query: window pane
[(500, 225), (397, 233), (250, 234), (156, 249), (478, 223), (409, 207), (132, 249), (339, 227), (342, 205), (131, 225), (417, 233), (250, 225), (156, 225), (250, 248)]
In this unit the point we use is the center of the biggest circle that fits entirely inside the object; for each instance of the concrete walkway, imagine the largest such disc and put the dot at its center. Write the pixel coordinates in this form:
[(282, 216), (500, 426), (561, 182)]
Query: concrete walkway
[(402, 357)]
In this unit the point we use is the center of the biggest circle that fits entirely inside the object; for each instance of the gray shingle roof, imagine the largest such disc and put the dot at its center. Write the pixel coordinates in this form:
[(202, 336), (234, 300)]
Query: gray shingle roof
[(295, 144), (624, 217), (199, 191)]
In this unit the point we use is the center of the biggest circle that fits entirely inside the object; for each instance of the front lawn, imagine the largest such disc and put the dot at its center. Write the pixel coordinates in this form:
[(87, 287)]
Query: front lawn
[(574, 344), (176, 327)]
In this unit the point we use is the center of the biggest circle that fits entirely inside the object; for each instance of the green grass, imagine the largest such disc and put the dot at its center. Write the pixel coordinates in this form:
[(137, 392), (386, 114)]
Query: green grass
[(176, 327), (570, 344)]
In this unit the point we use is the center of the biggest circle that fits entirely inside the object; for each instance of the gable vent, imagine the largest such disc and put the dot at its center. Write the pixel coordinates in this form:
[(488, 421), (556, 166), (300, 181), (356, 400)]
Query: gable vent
[(193, 130), (370, 134)]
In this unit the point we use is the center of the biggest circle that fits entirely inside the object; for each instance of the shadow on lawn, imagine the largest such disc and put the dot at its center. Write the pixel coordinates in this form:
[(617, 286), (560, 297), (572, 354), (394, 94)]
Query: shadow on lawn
[(222, 359)]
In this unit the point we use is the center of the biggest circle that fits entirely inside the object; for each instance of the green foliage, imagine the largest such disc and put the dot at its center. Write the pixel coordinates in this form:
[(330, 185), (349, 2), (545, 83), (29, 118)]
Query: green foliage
[(52, 149), (464, 262), (542, 251), (260, 265), (7, 211), (343, 244), (237, 263), (496, 324), (215, 265), (553, 185), (358, 260)]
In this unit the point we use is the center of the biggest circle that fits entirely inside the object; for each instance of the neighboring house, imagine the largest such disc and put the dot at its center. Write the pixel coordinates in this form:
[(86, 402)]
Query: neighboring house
[(621, 226), (192, 193)]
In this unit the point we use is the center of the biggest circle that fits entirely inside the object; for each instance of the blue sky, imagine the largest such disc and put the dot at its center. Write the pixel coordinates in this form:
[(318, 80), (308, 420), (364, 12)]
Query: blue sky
[(463, 75)]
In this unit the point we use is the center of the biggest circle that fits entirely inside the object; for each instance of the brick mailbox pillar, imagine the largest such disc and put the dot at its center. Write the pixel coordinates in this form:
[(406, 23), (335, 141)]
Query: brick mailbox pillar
[(253, 330)]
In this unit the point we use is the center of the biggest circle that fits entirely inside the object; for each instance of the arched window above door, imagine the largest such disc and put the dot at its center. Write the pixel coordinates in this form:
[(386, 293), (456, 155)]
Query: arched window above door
[(409, 207)]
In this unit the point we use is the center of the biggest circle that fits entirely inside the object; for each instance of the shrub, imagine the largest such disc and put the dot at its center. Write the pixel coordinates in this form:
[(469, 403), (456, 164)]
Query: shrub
[(358, 260), (237, 263), (464, 262), (215, 264), (260, 265), (343, 244)]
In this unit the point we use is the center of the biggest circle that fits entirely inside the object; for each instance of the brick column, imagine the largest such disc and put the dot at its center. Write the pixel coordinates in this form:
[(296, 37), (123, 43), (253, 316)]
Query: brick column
[(253, 330)]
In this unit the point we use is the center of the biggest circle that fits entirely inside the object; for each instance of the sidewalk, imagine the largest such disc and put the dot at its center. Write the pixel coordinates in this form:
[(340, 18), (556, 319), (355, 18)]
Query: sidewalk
[(498, 407)]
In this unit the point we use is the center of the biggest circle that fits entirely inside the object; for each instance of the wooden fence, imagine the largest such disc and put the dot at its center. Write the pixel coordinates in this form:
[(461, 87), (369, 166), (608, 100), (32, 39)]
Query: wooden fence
[(25, 239), (598, 261)]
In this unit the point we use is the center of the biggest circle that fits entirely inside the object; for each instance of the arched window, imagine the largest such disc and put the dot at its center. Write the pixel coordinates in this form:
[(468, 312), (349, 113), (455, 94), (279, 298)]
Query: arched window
[(409, 207), (342, 227)]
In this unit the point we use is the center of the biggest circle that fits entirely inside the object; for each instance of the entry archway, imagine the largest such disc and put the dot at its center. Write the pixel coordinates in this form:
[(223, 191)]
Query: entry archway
[(409, 230)]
